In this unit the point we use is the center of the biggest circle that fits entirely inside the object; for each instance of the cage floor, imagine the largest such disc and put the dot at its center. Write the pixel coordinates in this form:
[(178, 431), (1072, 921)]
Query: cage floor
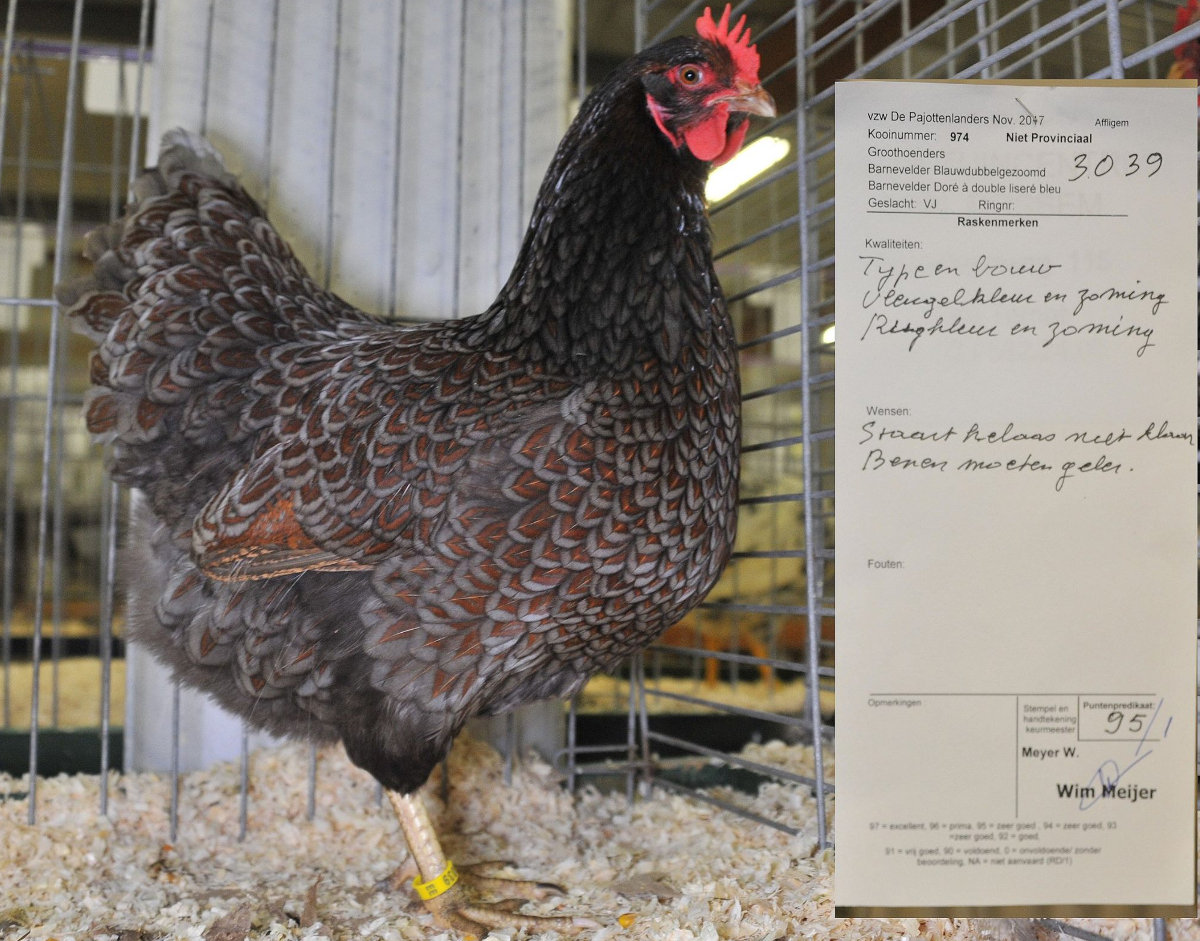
[(684, 870)]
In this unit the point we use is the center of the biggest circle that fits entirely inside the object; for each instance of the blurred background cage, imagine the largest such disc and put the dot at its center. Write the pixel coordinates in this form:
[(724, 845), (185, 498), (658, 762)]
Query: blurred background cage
[(399, 146)]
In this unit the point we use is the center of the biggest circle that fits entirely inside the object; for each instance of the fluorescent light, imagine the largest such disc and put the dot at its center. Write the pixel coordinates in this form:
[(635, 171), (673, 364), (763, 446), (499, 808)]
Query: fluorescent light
[(753, 159), (827, 336)]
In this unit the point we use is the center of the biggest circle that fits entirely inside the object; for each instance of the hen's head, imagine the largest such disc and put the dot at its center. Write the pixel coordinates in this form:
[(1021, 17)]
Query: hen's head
[(700, 91)]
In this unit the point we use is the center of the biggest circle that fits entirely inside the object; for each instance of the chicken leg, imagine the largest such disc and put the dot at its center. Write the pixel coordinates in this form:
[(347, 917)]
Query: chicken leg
[(453, 897)]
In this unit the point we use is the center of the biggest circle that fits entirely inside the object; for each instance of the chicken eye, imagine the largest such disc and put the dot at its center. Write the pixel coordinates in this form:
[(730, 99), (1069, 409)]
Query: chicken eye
[(691, 75)]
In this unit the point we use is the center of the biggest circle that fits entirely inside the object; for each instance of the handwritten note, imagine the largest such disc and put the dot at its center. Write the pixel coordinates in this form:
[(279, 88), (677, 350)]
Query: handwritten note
[(1016, 498)]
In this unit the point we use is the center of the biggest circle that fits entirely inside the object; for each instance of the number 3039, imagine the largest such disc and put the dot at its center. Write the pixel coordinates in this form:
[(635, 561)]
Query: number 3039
[(1102, 165)]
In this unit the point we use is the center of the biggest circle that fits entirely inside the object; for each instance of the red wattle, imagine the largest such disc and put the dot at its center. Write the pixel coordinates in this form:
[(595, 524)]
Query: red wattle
[(733, 144), (706, 139)]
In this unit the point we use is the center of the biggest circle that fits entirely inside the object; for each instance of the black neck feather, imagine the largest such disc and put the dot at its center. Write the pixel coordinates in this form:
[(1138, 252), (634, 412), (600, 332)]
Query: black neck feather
[(616, 264)]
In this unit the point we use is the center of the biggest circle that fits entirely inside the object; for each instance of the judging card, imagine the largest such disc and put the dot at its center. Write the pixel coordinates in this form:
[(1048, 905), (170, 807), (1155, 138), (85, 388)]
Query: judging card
[(1016, 498)]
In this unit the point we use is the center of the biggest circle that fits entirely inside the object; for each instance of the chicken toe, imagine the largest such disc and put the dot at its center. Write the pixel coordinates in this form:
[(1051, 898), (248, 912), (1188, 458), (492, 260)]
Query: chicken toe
[(483, 877), (476, 900), (461, 909)]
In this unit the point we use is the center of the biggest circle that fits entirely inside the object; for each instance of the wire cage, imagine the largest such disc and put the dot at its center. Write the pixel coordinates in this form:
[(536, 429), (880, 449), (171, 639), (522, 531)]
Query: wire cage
[(773, 614), (410, 200), (66, 164)]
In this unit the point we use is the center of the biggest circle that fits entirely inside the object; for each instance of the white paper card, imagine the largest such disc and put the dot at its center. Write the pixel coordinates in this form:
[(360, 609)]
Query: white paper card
[(1016, 498)]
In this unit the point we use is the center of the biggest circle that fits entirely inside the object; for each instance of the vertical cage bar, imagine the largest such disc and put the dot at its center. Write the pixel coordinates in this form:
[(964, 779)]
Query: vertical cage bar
[(206, 79), (135, 142), (502, 168), (6, 75), (1076, 46), (572, 742), (176, 692), (310, 809), (951, 46), (859, 42), (108, 596), (331, 150), (1035, 20), (397, 157), (808, 443), (1116, 55), (22, 200), (456, 301), (62, 236), (510, 747), (631, 728), (244, 785), (982, 39), (57, 382), (108, 559), (269, 161), (173, 814), (643, 715), (581, 27), (519, 217), (115, 189), (269, 127), (110, 495), (10, 454), (111, 505), (1148, 26)]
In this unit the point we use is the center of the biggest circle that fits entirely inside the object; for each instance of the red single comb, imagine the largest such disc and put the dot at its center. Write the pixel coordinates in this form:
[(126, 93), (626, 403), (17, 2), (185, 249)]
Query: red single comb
[(745, 56), (1185, 16)]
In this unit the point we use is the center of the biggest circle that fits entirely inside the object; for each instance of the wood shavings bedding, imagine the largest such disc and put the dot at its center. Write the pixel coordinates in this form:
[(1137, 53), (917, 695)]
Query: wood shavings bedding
[(685, 871)]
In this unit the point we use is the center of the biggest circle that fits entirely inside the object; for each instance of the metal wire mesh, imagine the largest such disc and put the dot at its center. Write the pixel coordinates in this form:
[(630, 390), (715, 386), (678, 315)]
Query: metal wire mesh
[(775, 258), (67, 159), (65, 165), (757, 659)]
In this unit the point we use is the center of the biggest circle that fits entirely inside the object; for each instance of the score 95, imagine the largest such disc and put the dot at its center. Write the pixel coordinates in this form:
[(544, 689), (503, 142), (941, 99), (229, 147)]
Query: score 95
[(1120, 721)]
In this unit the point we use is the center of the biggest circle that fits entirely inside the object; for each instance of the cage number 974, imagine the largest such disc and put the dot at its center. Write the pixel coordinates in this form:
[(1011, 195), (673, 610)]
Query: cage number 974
[(1103, 165), (1132, 723)]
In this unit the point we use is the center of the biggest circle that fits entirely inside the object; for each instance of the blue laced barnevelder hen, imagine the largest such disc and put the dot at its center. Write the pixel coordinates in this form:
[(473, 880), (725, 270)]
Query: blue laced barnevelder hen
[(369, 532)]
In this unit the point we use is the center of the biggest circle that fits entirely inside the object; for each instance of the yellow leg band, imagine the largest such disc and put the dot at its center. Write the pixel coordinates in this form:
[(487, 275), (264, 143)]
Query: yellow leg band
[(438, 884)]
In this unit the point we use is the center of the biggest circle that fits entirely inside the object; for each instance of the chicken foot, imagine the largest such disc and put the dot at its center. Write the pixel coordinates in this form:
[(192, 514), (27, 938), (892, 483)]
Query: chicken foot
[(452, 896)]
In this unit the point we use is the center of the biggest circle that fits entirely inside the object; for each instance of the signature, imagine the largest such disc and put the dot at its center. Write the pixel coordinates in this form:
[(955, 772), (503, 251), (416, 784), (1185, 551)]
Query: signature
[(1110, 772)]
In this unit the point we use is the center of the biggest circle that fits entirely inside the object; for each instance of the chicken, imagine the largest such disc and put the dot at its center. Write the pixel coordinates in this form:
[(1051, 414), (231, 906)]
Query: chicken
[(360, 531), (1187, 55)]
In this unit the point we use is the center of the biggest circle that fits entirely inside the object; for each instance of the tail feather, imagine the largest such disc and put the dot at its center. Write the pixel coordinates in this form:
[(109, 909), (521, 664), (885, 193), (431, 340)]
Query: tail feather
[(187, 296), (184, 152)]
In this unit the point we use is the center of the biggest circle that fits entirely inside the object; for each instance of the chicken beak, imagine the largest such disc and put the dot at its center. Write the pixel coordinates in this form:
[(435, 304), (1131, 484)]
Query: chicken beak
[(752, 99)]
